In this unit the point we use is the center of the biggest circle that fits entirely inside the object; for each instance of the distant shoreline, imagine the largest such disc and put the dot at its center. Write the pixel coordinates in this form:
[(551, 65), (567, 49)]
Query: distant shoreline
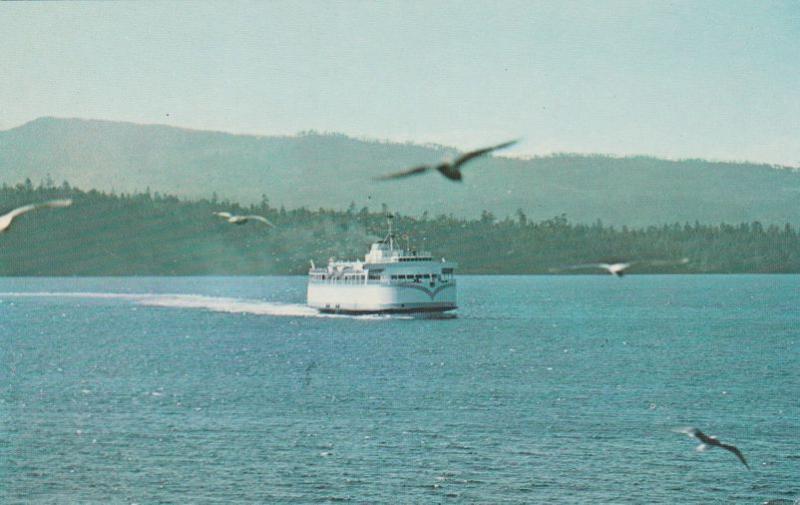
[(151, 234)]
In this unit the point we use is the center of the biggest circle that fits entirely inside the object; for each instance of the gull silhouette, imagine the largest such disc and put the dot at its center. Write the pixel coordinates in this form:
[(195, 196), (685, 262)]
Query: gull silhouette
[(235, 219), (708, 442), (449, 169), (618, 269), (7, 219), (615, 269)]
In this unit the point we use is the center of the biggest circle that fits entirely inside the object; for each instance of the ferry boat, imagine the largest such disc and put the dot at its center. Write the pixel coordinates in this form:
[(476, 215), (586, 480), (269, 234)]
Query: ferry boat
[(389, 280)]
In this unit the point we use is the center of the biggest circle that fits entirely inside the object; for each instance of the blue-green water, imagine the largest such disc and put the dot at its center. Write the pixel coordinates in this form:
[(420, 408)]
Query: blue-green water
[(542, 390)]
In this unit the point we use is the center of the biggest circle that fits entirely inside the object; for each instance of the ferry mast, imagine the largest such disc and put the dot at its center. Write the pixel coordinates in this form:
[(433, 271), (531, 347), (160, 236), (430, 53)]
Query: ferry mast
[(390, 237)]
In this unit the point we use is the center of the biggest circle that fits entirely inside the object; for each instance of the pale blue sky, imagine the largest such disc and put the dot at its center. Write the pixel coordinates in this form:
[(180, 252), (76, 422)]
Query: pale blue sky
[(717, 80)]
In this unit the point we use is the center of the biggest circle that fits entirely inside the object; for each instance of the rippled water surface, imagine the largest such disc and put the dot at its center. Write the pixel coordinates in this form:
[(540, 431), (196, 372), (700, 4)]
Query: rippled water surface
[(543, 390)]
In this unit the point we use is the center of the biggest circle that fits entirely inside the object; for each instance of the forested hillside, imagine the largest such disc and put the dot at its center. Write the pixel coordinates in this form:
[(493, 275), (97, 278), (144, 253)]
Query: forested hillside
[(331, 170), (154, 234)]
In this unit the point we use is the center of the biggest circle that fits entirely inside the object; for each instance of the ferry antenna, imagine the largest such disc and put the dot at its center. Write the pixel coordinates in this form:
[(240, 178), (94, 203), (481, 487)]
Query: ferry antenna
[(390, 220)]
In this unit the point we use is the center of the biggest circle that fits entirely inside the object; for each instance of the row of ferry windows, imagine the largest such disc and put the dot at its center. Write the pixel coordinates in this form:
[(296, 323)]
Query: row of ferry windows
[(412, 277), (360, 278), (415, 259)]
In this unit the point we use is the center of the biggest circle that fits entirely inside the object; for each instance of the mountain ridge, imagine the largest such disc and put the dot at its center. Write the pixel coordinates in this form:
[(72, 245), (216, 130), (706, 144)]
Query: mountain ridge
[(332, 170)]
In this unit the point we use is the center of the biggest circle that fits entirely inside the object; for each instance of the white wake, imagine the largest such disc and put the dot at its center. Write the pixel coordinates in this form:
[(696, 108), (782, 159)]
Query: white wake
[(229, 305), (183, 301)]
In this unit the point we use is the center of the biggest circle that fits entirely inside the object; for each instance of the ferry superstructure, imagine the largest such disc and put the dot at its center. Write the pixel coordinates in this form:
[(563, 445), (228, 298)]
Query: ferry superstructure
[(388, 280)]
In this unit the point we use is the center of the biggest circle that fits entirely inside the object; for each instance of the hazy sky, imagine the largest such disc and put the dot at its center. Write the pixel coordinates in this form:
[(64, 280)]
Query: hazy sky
[(717, 80)]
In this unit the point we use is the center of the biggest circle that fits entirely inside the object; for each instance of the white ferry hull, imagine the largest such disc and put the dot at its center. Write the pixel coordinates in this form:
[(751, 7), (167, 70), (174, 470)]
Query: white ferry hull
[(388, 280), (382, 298)]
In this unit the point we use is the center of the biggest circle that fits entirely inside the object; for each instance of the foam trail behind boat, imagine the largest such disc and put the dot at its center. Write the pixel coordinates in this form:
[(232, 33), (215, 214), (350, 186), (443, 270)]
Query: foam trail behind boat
[(229, 305), (184, 301)]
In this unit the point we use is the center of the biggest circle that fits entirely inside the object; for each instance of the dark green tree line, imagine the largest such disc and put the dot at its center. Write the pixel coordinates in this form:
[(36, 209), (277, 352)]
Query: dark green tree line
[(154, 234)]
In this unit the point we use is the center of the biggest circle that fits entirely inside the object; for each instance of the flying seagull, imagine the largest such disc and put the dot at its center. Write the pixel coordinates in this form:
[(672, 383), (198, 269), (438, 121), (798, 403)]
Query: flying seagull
[(618, 269), (449, 169), (708, 442), (6, 219), (234, 219), (615, 269)]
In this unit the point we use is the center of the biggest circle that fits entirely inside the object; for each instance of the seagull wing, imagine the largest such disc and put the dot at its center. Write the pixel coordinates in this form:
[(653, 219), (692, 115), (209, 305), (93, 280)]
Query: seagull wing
[(53, 204), (737, 452), (20, 211), (480, 152), (259, 218), (689, 431), (618, 268), (6, 219), (604, 266), (226, 215), (702, 437), (405, 173)]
